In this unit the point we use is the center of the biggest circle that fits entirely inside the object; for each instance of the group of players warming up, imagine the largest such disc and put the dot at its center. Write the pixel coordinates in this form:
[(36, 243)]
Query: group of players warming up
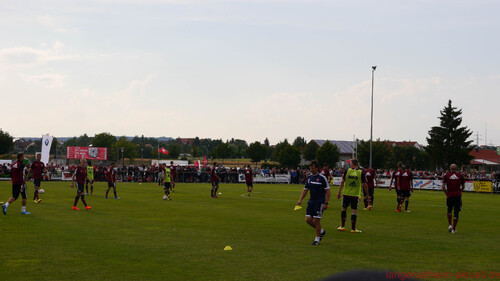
[(356, 180)]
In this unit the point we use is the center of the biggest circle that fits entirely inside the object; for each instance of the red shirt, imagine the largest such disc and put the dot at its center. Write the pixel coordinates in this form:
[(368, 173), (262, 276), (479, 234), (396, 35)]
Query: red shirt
[(453, 181), (213, 176), (17, 173), (405, 179), (81, 174), (248, 175), (370, 178), (173, 171), (325, 173), (395, 176), (37, 168), (111, 175)]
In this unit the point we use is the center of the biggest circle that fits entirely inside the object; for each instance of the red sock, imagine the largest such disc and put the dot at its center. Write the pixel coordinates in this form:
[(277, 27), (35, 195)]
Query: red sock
[(449, 218)]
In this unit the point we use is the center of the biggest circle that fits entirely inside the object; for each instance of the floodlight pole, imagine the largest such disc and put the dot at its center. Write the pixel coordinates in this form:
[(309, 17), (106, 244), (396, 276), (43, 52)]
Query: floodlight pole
[(371, 124)]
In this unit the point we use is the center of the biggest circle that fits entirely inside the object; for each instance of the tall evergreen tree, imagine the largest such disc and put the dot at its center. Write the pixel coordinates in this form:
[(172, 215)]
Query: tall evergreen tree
[(448, 143), (6, 142)]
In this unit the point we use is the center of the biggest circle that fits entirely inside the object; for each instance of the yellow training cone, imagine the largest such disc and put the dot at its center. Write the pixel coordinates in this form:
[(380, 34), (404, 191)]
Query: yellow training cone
[(297, 208), (228, 248)]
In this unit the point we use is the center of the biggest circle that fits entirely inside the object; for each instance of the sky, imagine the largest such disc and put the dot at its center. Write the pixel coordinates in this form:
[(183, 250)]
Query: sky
[(248, 69)]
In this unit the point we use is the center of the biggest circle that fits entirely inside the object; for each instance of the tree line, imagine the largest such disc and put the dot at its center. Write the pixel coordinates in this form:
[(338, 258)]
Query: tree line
[(447, 143)]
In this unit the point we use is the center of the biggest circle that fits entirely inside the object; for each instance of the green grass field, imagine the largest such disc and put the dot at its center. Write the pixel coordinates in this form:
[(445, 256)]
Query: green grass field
[(142, 237)]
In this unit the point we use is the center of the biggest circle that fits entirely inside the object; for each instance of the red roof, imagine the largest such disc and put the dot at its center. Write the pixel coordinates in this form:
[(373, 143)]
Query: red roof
[(488, 155)]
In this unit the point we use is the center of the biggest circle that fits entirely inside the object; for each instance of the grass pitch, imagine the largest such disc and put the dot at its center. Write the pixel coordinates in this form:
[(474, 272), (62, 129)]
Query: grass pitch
[(142, 237)]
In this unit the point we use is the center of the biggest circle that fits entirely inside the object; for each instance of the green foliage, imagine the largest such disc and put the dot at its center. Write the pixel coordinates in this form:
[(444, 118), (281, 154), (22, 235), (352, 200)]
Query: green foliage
[(222, 151), (286, 154), (174, 150), (257, 152), (410, 155), (129, 148), (381, 154), (194, 151), (309, 152), (6, 142), (328, 153), (448, 143), (105, 140), (299, 143)]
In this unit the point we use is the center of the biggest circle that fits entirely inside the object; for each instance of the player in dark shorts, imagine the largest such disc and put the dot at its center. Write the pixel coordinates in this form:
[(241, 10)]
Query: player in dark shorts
[(90, 175), (395, 180), (318, 200), (80, 176), (173, 174), (249, 179), (167, 182), (214, 179), (353, 180), (111, 177), (406, 187), (18, 185), (371, 182), (453, 186), (37, 168)]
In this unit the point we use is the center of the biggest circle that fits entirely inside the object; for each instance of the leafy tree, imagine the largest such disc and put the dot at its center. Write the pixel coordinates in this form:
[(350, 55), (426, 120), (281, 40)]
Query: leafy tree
[(257, 152), (194, 151), (174, 150), (309, 152), (266, 142), (105, 140), (289, 156), (299, 142), (328, 153), (6, 142), (129, 148), (278, 148), (448, 143), (223, 150), (381, 154)]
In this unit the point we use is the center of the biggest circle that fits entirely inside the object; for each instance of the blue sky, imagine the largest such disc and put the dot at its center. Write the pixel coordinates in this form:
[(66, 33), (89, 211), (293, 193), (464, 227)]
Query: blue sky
[(248, 69)]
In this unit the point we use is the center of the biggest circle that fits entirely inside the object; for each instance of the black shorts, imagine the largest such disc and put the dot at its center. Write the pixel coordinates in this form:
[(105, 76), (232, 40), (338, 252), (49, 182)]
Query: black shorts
[(111, 184), (350, 201), (370, 192), (405, 193), (87, 181), (167, 185), (215, 184), (250, 184), (79, 187), (314, 209), (16, 190), (454, 202), (36, 182)]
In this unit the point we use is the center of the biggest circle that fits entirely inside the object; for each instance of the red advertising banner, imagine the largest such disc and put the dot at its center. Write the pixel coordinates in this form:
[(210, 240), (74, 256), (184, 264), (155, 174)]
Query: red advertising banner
[(91, 153)]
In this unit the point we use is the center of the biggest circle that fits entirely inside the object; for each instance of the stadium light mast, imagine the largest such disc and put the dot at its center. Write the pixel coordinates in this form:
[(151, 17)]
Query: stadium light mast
[(371, 123)]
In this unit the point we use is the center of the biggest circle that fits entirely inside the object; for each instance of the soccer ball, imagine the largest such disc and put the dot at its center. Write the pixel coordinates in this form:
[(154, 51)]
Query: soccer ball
[(41, 191), (165, 197)]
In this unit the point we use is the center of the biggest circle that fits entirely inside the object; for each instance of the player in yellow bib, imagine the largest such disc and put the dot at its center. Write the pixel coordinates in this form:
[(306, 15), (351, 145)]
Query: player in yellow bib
[(90, 175), (167, 181), (350, 188)]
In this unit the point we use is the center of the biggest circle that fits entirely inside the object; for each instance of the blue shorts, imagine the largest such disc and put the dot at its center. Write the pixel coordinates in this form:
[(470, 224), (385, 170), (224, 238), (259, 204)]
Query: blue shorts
[(314, 209)]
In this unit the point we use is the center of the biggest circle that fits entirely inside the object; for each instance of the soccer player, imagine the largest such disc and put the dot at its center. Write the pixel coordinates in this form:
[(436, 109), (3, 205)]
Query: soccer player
[(453, 185), (173, 174), (405, 187), (326, 172), (214, 179), (395, 180), (37, 167), (111, 177), (167, 181), (161, 174), (353, 180), (371, 182), (80, 175), (318, 200), (18, 185), (249, 179), (90, 175)]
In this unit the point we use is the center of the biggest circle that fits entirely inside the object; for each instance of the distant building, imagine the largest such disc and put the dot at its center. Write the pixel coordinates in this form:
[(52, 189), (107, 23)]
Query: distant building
[(485, 159), (21, 145)]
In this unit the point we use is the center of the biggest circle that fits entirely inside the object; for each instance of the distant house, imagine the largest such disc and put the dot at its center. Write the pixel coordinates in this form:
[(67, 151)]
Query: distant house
[(22, 145), (404, 143), (485, 159), (346, 149)]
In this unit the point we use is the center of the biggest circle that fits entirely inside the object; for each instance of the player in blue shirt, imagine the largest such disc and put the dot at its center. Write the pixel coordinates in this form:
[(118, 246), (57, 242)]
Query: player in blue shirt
[(317, 184)]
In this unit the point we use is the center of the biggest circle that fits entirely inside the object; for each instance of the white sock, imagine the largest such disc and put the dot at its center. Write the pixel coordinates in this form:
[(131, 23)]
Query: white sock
[(23, 208), (322, 230), (6, 204), (317, 239)]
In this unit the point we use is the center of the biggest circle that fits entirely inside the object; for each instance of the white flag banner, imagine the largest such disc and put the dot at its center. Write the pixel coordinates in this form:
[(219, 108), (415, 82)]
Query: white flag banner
[(46, 144)]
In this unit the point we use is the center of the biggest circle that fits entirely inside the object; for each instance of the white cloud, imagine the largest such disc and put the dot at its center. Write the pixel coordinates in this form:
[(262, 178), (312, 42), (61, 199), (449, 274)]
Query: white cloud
[(47, 80), (28, 56)]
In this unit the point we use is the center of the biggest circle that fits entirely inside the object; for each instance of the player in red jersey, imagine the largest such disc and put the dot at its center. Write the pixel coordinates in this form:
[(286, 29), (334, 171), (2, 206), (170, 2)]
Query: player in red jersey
[(405, 187), (37, 167), (111, 177), (18, 185), (371, 182), (326, 173), (453, 185), (214, 179), (80, 175), (395, 180), (173, 175), (249, 179)]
